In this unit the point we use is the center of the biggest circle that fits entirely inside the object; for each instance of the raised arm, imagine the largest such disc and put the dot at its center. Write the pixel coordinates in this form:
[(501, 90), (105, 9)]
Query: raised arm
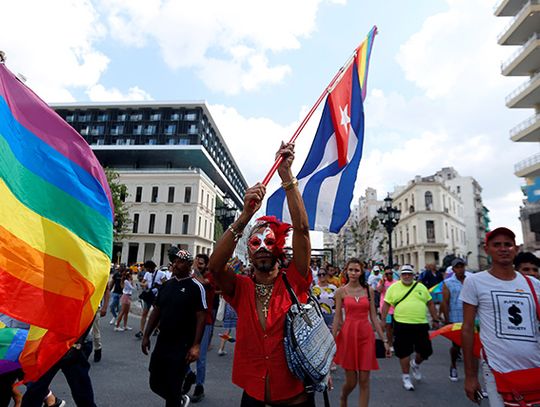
[(300, 239), (226, 279)]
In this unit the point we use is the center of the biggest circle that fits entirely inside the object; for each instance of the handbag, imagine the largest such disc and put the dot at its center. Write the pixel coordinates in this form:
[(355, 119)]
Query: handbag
[(148, 295), (520, 388), (309, 344)]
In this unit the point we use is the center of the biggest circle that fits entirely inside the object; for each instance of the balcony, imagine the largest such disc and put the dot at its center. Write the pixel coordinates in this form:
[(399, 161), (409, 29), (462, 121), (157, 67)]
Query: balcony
[(530, 167), (527, 95), (507, 8), (528, 130), (522, 26), (525, 60)]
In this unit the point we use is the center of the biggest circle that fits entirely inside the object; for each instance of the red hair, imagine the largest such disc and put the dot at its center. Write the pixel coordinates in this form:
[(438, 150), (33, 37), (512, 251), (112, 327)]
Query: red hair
[(281, 231)]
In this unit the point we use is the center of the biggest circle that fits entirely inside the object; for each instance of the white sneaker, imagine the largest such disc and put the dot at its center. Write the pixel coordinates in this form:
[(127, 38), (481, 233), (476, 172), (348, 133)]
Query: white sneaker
[(407, 385), (128, 328), (415, 370), (453, 374), (112, 321), (119, 329), (185, 400)]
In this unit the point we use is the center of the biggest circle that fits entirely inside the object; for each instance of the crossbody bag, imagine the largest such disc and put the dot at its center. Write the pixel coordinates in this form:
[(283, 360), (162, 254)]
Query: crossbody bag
[(148, 295), (520, 388), (309, 344)]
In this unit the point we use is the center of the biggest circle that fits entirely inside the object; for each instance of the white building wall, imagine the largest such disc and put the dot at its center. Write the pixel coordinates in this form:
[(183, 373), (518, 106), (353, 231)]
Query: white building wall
[(194, 201)]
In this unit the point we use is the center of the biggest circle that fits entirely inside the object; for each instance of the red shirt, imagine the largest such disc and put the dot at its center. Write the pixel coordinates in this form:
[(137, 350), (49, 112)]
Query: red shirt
[(260, 353)]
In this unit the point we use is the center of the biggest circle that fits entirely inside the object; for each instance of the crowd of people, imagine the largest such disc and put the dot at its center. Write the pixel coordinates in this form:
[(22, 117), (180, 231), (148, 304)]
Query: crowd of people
[(366, 306)]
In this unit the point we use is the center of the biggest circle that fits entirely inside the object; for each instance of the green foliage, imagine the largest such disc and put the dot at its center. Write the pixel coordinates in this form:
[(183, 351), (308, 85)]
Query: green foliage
[(122, 222)]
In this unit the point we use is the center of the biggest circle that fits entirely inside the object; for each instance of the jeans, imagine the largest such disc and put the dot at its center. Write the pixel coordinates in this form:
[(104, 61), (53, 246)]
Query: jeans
[(75, 367), (115, 304), (201, 362)]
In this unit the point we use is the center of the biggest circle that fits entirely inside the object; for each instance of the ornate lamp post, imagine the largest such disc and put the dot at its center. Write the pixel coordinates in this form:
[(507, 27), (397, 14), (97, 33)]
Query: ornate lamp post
[(389, 217), (226, 213)]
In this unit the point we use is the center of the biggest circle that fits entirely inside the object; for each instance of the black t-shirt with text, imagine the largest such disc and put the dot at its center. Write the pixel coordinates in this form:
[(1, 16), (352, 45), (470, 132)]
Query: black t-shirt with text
[(178, 303), (117, 280)]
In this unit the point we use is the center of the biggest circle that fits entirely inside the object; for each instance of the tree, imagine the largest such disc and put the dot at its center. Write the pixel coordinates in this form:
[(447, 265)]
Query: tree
[(122, 222)]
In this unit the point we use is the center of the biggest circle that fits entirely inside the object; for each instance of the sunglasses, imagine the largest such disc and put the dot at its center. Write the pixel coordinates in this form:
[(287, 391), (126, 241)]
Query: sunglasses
[(321, 274)]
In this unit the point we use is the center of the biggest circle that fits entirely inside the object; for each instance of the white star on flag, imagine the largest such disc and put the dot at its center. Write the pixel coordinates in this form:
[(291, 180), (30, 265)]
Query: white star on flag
[(345, 120)]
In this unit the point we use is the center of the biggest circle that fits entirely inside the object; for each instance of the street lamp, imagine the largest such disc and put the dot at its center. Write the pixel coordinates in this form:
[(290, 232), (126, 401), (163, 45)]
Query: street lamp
[(226, 213), (389, 217)]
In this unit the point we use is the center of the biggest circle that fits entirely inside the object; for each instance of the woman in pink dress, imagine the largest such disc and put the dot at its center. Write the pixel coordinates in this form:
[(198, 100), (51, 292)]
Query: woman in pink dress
[(354, 336)]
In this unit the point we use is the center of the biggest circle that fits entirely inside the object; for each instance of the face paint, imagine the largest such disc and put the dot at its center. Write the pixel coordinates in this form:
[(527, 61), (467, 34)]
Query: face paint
[(265, 240)]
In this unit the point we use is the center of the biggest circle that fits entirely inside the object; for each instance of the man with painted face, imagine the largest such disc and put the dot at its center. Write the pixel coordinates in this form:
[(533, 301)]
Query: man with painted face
[(262, 301), (179, 309)]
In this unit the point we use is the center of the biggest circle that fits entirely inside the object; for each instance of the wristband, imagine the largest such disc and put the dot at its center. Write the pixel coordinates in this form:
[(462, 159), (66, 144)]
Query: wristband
[(290, 185), (236, 235)]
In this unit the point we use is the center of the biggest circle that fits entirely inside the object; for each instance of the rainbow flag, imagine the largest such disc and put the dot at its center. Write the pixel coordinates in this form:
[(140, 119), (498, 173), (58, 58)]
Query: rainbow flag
[(56, 221), (363, 54), (12, 342)]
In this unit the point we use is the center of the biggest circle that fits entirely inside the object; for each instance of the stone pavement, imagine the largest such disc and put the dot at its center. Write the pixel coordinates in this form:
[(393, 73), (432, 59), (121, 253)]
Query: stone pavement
[(121, 378)]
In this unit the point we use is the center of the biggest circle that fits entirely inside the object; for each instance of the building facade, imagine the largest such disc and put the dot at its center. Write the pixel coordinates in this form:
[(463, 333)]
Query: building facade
[(431, 225), (174, 162), (470, 193), (523, 31)]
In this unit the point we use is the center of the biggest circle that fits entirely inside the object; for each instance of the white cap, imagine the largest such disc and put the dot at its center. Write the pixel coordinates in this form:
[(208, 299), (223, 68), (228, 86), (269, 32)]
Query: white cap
[(376, 268)]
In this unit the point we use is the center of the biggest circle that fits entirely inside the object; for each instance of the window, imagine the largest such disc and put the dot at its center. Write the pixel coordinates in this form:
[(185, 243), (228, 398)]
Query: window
[(117, 130), (152, 223), (187, 195), (155, 117), (121, 117), (207, 202), (135, 117), (458, 189), (97, 130), (85, 130), (199, 229), (446, 228), (192, 129), (171, 195), (135, 223), (150, 129), (168, 223), (85, 117), (70, 118), (191, 116), (205, 226), (430, 231), (103, 117), (137, 130), (175, 116), (138, 194), (123, 195), (429, 201), (154, 194), (185, 224), (170, 129), (183, 141)]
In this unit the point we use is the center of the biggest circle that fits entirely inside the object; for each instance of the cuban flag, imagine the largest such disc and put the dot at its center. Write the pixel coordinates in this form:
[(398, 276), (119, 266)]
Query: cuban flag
[(327, 178)]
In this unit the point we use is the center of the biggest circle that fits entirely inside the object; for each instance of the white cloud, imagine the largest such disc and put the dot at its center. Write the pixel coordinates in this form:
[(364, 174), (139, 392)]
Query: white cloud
[(53, 45), (98, 93), (227, 42)]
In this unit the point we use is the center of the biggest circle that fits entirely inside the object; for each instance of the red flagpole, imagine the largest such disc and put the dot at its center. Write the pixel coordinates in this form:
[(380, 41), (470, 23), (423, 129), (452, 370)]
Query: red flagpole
[(335, 80)]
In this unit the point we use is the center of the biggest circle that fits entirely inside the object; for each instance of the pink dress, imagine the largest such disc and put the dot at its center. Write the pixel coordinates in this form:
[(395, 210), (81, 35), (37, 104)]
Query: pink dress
[(356, 340)]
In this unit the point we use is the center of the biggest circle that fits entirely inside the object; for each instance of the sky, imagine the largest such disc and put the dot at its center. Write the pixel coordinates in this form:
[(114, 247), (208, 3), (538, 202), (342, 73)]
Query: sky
[(435, 91)]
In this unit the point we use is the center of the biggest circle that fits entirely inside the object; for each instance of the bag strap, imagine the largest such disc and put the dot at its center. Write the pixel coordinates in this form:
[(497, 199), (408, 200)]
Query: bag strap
[(535, 298), (407, 294), (292, 294), (154, 274)]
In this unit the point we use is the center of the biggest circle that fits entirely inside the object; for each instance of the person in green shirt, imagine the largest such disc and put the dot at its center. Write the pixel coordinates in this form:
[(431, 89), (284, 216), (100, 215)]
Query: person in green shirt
[(410, 300)]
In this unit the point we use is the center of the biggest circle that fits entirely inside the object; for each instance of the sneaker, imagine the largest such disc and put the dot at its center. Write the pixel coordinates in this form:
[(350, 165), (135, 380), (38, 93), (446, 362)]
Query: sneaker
[(57, 403), (198, 394), (221, 352), (119, 329), (189, 381), (185, 401), (128, 328), (139, 335), (407, 385), (112, 321), (453, 374), (415, 370), (97, 355)]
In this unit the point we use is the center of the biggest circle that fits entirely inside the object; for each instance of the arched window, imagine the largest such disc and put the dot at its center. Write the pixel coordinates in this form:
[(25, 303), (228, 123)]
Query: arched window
[(429, 200)]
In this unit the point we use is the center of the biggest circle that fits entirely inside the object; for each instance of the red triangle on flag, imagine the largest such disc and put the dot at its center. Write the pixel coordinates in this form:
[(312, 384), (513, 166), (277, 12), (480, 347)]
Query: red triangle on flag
[(340, 107)]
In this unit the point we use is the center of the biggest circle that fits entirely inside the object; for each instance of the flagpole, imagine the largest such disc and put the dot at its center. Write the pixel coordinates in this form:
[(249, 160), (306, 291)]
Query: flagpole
[(333, 83)]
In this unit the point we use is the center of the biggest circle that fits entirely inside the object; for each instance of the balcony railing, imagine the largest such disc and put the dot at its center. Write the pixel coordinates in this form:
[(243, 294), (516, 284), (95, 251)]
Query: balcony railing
[(515, 55), (522, 12), (534, 78), (497, 5), (525, 124), (528, 162)]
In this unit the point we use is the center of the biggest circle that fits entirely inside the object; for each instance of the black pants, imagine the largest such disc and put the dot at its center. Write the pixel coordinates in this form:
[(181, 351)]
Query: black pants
[(248, 401), (6, 383), (75, 367), (167, 371)]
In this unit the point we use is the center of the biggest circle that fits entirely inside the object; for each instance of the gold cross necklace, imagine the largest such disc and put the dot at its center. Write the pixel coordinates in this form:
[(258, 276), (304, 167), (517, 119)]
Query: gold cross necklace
[(263, 292)]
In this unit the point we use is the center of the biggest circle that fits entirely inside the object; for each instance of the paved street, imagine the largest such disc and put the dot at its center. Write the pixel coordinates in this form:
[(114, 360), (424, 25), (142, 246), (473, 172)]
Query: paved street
[(121, 378)]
